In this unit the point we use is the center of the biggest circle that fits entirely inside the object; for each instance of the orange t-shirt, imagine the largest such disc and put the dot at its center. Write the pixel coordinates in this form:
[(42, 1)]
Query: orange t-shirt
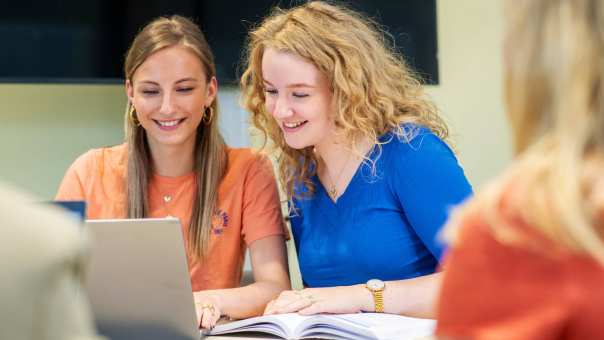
[(248, 206), (537, 290)]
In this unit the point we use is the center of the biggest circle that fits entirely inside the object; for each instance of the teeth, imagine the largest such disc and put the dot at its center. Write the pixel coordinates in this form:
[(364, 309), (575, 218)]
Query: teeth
[(168, 123), (292, 125)]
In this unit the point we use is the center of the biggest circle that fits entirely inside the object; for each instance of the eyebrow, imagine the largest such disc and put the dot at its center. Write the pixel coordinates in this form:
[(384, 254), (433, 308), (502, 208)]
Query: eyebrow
[(177, 82), (290, 85)]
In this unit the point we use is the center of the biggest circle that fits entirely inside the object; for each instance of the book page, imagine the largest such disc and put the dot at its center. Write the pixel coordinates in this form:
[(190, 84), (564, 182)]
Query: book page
[(345, 326), (391, 326), (281, 325), (366, 326)]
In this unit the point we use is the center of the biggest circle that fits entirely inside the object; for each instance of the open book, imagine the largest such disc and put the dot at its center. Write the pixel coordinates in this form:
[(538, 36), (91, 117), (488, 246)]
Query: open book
[(331, 326)]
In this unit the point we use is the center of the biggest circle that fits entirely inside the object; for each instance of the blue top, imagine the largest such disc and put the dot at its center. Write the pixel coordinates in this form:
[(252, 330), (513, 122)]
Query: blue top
[(385, 224)]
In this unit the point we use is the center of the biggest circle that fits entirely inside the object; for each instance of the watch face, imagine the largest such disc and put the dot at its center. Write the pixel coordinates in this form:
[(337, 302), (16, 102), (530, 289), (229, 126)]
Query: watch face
[(375, 284)]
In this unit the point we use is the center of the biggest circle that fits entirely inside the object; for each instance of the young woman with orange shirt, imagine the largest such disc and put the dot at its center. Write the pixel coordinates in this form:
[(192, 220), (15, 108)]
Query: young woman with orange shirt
[(175, 163)]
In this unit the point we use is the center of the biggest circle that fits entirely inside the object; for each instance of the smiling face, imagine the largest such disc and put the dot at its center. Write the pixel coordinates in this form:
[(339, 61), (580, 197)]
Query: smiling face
[(299, 98), (170, 93)]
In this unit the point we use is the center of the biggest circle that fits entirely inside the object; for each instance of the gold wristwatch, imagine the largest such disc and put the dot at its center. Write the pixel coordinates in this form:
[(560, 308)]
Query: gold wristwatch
[(376, 287)]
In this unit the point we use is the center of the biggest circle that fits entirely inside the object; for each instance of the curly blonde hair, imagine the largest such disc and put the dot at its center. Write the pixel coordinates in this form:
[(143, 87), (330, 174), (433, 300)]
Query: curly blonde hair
[(374, 91)]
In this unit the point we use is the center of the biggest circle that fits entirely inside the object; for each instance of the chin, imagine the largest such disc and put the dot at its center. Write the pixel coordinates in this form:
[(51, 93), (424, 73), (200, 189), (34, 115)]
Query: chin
[(171, 141), (298, 145)]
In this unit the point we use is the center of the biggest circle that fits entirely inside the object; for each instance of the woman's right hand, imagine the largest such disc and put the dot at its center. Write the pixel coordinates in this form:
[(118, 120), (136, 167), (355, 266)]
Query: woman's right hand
[(208, 310)]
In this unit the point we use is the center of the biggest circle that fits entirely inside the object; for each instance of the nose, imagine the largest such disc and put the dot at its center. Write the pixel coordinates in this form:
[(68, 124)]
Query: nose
[(282, 109), (167, 104)]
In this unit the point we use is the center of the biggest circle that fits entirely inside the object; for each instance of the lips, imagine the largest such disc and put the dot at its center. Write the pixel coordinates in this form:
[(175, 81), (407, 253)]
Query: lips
[(168, 125), (293, 126)]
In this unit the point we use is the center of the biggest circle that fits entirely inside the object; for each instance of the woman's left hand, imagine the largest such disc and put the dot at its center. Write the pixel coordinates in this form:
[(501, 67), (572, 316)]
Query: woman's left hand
[(208, 310), (337, 300)]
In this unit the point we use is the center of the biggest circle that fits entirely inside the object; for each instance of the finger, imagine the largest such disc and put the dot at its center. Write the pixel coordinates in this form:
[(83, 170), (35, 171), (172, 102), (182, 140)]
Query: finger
[(315, 308), (293, 306), (199, 313), (214, 318), (269, 309), (284, 300), (206, 319)]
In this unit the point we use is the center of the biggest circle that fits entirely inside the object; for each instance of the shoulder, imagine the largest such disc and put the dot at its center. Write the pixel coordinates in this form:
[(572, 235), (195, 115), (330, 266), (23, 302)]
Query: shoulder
[(247, 160), (418, 151), (99, 159), (414, 140)]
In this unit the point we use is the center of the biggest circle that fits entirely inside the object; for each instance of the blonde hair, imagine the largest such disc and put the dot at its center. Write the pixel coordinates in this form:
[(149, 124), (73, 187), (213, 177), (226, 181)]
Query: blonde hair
[(210, 156), (555, 101), (374, 91)]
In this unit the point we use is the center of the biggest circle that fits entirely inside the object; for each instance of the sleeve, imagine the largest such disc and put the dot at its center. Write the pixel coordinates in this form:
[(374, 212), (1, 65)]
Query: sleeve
[(72, 185), (261, 209), (428, 182)]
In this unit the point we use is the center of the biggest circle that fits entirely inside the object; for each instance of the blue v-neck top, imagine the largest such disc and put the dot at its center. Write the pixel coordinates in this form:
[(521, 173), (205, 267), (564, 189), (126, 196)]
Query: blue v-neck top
[(386, 222)]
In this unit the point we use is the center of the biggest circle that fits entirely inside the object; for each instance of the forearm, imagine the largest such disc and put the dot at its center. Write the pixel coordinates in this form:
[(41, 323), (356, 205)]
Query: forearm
[(248, 301), (412, 297)]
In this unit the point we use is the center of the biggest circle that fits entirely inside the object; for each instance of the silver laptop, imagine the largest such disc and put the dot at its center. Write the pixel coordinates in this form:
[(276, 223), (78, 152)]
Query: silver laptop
[(138, 280)]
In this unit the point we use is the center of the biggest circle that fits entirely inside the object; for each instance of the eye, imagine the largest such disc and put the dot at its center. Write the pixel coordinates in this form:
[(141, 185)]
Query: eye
[(270, 92), (150, 92), (299, 95), (184, 89)]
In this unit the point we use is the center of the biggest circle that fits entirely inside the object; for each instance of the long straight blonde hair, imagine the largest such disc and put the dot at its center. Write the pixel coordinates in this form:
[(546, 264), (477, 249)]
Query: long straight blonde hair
[(374, 91), (554, 58), (209, 157)]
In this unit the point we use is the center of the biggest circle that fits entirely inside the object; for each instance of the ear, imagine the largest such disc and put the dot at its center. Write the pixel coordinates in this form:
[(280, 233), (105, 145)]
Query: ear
[(129, 90), (211, 91)]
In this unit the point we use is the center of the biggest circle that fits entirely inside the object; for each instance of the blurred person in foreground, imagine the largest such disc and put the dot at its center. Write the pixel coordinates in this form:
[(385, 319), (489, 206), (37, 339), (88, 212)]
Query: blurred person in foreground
[(42, 258), (527, 252)]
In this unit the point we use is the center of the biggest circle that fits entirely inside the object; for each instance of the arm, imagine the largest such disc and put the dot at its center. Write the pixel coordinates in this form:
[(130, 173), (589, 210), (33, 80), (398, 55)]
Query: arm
[(269, 265), (413, 297), (263, 232)]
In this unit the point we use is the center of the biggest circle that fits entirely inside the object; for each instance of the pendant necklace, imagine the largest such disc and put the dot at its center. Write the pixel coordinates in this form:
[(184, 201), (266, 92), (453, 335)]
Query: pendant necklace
[(332, 191)]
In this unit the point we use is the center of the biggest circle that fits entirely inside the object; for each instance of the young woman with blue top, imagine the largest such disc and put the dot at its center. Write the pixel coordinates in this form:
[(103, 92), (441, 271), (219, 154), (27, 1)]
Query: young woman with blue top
[(363, 161)]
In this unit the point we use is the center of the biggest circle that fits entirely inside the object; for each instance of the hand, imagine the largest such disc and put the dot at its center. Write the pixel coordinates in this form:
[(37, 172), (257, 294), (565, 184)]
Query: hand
[(208, 309), (336, 300)]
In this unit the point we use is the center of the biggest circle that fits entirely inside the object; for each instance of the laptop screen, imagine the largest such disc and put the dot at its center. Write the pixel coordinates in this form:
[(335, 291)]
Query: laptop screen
[(76, 208)]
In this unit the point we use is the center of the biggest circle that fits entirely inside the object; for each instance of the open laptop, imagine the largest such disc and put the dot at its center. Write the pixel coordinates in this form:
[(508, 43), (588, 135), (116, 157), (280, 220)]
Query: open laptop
[(138, 280)]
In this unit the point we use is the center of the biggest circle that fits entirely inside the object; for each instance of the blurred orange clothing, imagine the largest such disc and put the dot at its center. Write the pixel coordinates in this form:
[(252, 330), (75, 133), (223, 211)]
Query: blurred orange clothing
[(537, 290), (248, 206)]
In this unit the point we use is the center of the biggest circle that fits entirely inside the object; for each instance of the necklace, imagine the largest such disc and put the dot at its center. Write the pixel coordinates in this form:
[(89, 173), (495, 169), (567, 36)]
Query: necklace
[(332, 191), (167, 195), (166, 199)]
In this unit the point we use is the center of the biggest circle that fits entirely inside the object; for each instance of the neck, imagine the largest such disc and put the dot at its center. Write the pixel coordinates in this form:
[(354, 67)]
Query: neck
[(172, 160), (336, 154)]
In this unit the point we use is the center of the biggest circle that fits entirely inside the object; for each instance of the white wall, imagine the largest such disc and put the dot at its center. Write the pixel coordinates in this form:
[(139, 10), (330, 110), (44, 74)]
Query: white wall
[(470, 90)]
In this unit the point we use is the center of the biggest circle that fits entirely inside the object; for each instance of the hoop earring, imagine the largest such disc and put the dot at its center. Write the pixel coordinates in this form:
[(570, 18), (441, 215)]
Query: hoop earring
[(132, 116), (207, 116)]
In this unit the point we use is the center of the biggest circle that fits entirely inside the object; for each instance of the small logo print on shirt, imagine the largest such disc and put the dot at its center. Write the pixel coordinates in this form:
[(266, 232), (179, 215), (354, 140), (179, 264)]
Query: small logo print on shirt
[(220, 221)]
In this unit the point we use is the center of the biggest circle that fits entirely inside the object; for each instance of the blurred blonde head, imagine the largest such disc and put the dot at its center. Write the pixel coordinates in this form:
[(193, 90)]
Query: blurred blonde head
[(374, 91), (209, 157), (554, 61)]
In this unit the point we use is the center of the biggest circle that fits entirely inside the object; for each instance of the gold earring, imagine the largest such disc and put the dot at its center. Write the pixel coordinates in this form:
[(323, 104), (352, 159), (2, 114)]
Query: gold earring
[(132, 116), (207, 116)]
